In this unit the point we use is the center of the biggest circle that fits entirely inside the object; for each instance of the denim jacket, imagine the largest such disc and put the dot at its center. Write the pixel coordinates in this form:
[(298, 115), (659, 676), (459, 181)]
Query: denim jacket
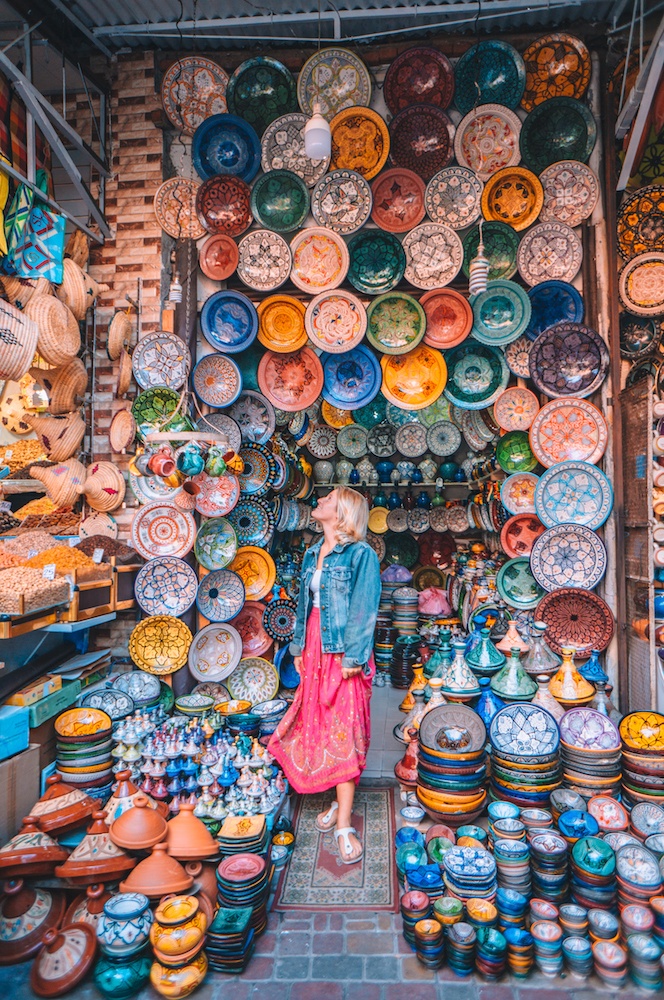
[(349, 596)]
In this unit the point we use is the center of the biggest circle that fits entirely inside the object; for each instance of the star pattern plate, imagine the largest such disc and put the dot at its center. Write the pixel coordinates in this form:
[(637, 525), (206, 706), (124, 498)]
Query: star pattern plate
[(573, 493), (487, 140), (568, 555), (161, 358), (264, 260), (335, 321), (568, 430), (434, 255), (193, 89), (569, 359), (454, 197), (524, 731), (283, 149), (557, 65), (576, 618), (166, 586), (336, 78), (550, 251), (341, 201), (571, 192)]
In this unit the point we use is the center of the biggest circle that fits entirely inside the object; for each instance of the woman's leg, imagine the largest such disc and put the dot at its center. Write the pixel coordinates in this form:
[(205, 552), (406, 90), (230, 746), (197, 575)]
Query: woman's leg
[(345, 797)]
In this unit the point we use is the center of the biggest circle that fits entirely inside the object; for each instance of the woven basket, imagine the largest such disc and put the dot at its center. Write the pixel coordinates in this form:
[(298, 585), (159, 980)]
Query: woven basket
[(122, 431), (19, 291), (61, 436), (78, 290), (64, 385), (119, 335), (62, 481), (104, 487), (18, 342), (78, 248), (59, 334), (124, 374)]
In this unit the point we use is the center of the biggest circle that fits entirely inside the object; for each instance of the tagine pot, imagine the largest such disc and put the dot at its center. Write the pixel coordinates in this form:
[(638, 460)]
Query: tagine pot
[(30, 852), (122, 978), (568, 686), (188, 838), (63, 808), (204, 877), (26, 913), (88, 907), (540, 658), (124, 926), (512, 683), (174, 984), (545, 699), (124, 796), (179, 927), (157, 875), (96, 858), (104, 487), (484, 659), (140, 828), (65, 959), (512, 640)]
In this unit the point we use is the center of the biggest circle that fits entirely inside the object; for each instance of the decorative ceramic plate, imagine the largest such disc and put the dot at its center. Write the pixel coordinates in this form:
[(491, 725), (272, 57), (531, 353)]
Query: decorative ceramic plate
[(553, 302), (449, 318), (264, 260), (524, 730), (175, 205), (513, 195), (142, 688), (517, 585), (283, 149), (443, 438), (352, 441), (573, 493), (249, 623), (161, 358), (216, 543), (214, 653), (568, 430), (568, 555), (639, 336), (335, 321), (517, 493), (377, 261), (373, 413), (221, 423), (550, 251), (255, 680), (218, 257), (217, 495), (216, 380), (223, 205), (260, 90), (253, 522), (501, 243), (193, 88), (557, 65), (641, 222), (421, 75), (643, 732), (571, 192), (281, 323), (229, 321), (569, 359), (487, 140), (166, 586), (334, 416), (434, 255), (160, 644), (162, 529), (515, 409), (82, 722), (641, 284), (147, 489), (421, 139), (156, 409), (323, 442), (341, 201), (291, 381), (116, 704), (220, 597), (501, 313), (280, 201), (256, 569), (398, 200), (279, 620), (360, 141), (454, 197), (352, 379), (256, 478), (411, 440), (395, 323), (477, 375), (518, 534), (560, 129), (638, 866), (320, 260), (490, 71), (381, 440), (586, 729), (225, 144), (336, 79), (414, 380), (401, 550), (254, 415)]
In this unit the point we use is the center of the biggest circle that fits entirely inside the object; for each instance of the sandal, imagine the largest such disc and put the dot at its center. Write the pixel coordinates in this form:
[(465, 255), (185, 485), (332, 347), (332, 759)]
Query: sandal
[(346, 849), (329, 819)]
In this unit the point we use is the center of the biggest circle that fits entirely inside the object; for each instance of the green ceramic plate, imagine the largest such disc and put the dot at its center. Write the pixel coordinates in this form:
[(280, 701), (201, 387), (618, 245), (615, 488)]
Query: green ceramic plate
[(280, 201), (559, 129), (377, 261), (501, 243), (373, 413), (476, 375), (514, 454), (501, 313), (151, 410), (517, 585), (261, 90), (396, 323), (401, 547)]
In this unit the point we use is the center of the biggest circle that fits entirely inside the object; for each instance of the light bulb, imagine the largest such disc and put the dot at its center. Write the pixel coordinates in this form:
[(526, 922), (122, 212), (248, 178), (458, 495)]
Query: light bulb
[(317, 136)]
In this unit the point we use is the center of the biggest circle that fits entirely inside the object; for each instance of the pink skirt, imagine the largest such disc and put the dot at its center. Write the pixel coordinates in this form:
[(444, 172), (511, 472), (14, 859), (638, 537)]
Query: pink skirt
[(323, 738)]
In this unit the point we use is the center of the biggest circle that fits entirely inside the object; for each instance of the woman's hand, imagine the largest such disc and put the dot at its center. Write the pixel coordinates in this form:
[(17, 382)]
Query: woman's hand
[(297, 663), (347, 672)]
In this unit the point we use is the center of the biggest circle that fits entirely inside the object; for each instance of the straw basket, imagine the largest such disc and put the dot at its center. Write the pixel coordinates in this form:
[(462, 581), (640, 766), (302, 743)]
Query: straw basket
[(61, 436), (18, 342), (62, 481), (65, 385), (59, 334), (78, 248), (78, 290), (124, 374), (104, 487), (122, 431), (119, 335), (19, 291)]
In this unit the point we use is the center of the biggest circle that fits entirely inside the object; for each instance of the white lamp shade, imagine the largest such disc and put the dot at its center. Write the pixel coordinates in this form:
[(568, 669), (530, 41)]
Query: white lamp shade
[(317, 137)]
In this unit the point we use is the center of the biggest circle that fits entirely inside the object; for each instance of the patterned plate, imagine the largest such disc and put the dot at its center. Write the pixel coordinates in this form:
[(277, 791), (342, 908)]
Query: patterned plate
[(281, 323), (116, 704), (254, 415), (279, 620), (229, 321), (255, 479), (335, 417), (421, 139), (641, 284), (568, 555), (571, 192), (280, 201), (513, 195), (449, 318), (166, 586), (255, 680), (147, 489), (223, 205), (639, 337), (398, 200), (573, 493), (477, 375), (641, 222), (253, 522), (557, 65), (260, 90), (216, 380), (487, 140), (161, 358), (395, 323), (568, 430), (434, 255), (162, 529), (320, 260), (569, 359), (217, 494), (264, 260), (175, 205), (323, 442), (249, 623), (335, 321), (414, 380), (643, 732), (421, 75), (256, 569), (360, 141), (142, 688), (443, 438), (501, 313), (291, 381), (160, 644), (490, 71), (525, 730), (518, 534), (550, 251), (283, 149), (515, 409), (517, 585), (214, 653), (381, 440), (218, 257), (377, 261), (352, 441), (411, 440), (193, 89), (374, 413), (560, 129), (336, 79), (220, 597), (352, 379), (341, 201), (553, 302), (501, 243), (221, 423), (517, 493), (216, 543), (156, 409), (225, 144), (454, 197)]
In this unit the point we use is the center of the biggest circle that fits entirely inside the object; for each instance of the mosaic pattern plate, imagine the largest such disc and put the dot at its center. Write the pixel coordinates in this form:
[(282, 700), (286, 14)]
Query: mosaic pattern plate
[(524, 730), (411, 440), (571, 192), (568, 430), (279, 620), (568, 555), (516, 584), (147, 489), (641, 284), (421, 139), (291, 381), (553, 302), (281, 323), (162, 529), (550, 251), (283, 149), (214, 653), (221, 423), (320, 260), (490, 71), (519, 533), (381, 440), (217, 495), (414, 380), (193, 89), (223, 205), (166, 586), (501, 243), (398, 200), (225, 144), (560, 129), (352, 441), (557, 65), (639, 336), (220, 597), (254, 415), (253, 522), (160, 644), (377, 261), (586, 729), (434, 255), (337, 79), (641, 222), (477, 375), (454, 197), (421, 75), (160, 358), (517, 493), (280, 201), (501, 313), (229, 321), (643, 732), (264, 260), (216, 380), (255, 680), (352, 379), (216, 543), (360, 141), (395, 323), (260, 90), (335, 321), (449, 318), (257, 571), (573, 493), (443, 438), (513, 195), (255, 479), (175, 205), (341, 201), (323, 442), (487, 140), (569, 359), (515, 409)]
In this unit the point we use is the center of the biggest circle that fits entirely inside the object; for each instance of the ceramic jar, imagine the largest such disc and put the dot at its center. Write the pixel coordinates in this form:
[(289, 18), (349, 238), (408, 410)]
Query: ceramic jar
[(179, 929), (120, 978), (540, 659), (568, 686), (186, 498), (124, 926), (323, 471), (512, 683), (176, 983)]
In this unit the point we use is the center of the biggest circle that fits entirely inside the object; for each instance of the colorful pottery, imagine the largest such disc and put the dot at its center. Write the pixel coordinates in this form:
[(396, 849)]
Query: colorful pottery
[(513, 195), (223, 205), (175, 205), (254, 679), (256, 569), (281, 323), (341, 201), (138, 828), (573, 493), (560, 129), (291, 381), (550, 251), (254, 415), (553, 302), (229, 321), (489, 71), (414, 380), (26, 913), (557, 65), (218, 257), (220, 596), (421, 139), (517, 493), (260, 90), (453, 197), (65, 959), (568, 359), (571, 192), (264, 260), (477, 375), (568, 556), (501, 313), (160, 358), (159, 644), (420, 75), (377, 261), (215, 652), (516, 357), (449, 318), (518, 534), (226, 144), (162, 529), (192, 89), (334, 78), (283, 149), (577, 618), (179, 982), (395, 323), (166, 586), (217, 495), (487, 140), (360, 141), (568, 430), (640, 220), (216, 543), (641, 284), (217, 380), (434, 255), (280, 201), (398, 200), (517, 585), (352, 379), (320, 260), (515, 409), (336, 322)]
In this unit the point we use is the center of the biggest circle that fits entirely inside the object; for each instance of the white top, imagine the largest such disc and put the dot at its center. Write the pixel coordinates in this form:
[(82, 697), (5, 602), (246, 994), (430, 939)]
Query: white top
[(314, 587)]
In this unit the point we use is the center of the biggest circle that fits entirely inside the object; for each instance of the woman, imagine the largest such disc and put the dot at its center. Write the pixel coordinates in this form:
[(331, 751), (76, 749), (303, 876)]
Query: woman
[(323, 739)]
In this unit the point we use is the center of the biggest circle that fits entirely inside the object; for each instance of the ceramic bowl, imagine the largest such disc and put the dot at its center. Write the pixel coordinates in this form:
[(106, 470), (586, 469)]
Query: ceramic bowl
[(412, 815)]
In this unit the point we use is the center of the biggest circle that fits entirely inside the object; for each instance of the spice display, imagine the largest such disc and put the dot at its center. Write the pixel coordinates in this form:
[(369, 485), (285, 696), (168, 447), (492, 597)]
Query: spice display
[(30, 586), (28, 543), (21, 453), (110, 547)]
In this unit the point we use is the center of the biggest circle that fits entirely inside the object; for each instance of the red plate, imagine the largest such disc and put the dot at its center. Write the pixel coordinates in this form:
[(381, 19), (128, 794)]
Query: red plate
[(241, 867), (519, 533), (398, 200), (449, 318), (291, 382), (575, 618), (419, 76), (218, 257), (223, 205), (249, 623), (421, 139)]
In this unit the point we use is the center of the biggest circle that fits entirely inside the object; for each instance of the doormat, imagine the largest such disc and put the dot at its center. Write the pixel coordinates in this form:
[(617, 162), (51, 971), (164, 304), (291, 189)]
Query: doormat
[(315, 878)]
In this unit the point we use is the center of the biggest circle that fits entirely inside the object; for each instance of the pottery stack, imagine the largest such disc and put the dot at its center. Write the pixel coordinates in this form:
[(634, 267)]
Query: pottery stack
[(243, 880), (123, 933), (525, 765), (230, 942), (591, 754), (177, 936), (642, 736), (83, 750), (451, 764)]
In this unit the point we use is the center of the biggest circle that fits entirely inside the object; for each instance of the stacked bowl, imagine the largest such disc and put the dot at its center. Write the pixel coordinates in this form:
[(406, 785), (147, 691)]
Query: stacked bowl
[(642, 735), (244, 880), (513, 864), (590, 751), (578, 956), (638, 873), (548, 862), (548, 938), (84, 750), (451, 764), (461, 941), (520, 951), (593, 874), (610, 963), (415, 906), (429, 943), (470, 873), (525, 766), (644, 954)]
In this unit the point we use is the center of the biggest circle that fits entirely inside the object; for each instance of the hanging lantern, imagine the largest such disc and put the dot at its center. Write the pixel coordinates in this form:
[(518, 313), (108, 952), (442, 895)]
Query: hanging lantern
[(479, 270)]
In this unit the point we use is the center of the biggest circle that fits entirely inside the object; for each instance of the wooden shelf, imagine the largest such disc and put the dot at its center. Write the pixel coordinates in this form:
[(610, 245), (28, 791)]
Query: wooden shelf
[(475, 484)]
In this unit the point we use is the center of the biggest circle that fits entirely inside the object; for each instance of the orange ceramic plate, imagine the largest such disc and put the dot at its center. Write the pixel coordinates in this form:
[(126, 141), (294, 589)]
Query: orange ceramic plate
[(360, 141), (218, 257), (398, 200), (79, 722), (414, 380), (519, 533), (320, 259), (281, 323), (515, 409), (257, 571), (513, 195), (449, 318), (334, 416)]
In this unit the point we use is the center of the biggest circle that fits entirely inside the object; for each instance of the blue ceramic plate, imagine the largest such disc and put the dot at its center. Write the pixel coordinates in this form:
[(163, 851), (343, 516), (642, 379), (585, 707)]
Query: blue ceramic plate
[(553, 302), (225, 144), (216, 543), (501, 313), (476, 375), (253, 522), (517, 585), (166, 586), (229, 321), (568, 555), (573, 493), (490, 72), (220, 595), (524, 730), (288, 675), (352, 379)]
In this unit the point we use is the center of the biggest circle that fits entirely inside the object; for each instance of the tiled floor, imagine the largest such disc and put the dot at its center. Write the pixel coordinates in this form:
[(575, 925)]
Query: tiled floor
[(384, 750)]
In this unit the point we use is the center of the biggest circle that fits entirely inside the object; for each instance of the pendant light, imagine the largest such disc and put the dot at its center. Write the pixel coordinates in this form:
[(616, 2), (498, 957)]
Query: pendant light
[(317, 134), (478, 276)]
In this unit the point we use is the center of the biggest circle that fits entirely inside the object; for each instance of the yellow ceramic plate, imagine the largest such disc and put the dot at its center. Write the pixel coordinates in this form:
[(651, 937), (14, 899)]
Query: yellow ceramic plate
[(82, 722), (414, 380), (360, 141), (232, 707), (87, 769), (257, 570), (513, 195), (160, 644), (281, 319), (334, 417), (378, 520), (643, 732)]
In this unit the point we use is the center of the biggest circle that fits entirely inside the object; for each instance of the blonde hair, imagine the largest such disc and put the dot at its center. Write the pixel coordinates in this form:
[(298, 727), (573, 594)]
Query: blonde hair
[(352, 515)]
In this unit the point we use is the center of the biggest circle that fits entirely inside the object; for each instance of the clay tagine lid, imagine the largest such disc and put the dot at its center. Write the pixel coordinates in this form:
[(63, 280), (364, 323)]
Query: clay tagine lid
[(62, 807), (124, 796), (30, 852), (188, 838), (64, 960), (89, 906), (96, 856), (139, 828), (157, 875), (25, 915)]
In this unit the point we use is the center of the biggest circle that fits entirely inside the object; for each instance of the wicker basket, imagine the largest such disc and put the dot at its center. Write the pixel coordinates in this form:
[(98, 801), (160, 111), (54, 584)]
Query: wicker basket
[(19, 291), (119, 335), (62, 481), (104, 487), (65, 385), (122, 431), (59, 333), (78, 248), (78, 290), (124, 374), (61, 436), (18, 342)]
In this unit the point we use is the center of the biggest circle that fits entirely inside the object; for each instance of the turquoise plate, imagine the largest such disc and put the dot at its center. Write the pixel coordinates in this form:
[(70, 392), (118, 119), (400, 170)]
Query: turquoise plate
[(517, 585), (559, 129), (476, 375), (216, 544), (261, 90), (280, 201), (501, 313), (377, 261), (490, 72), (501, 243)]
